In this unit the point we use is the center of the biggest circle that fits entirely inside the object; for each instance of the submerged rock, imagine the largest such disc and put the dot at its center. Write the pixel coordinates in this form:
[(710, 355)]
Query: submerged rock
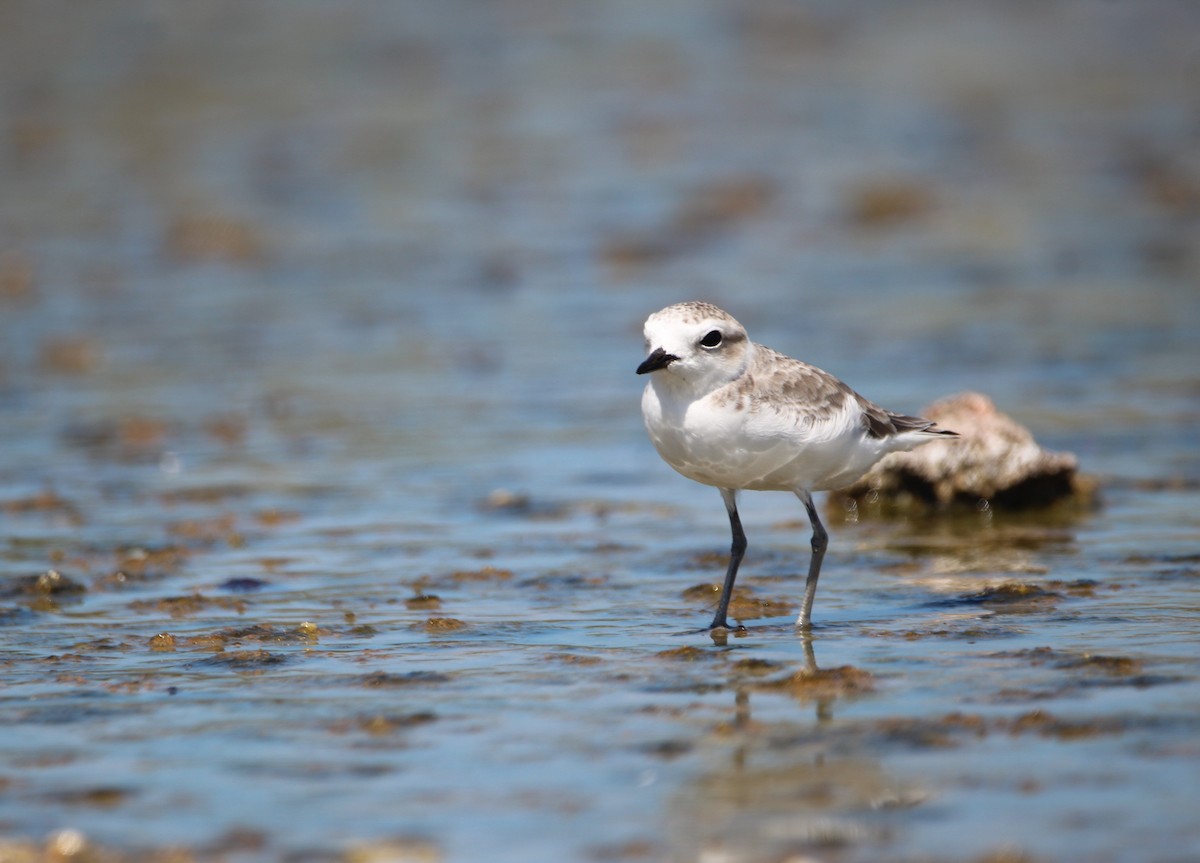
[(48, 583), (994, 464)]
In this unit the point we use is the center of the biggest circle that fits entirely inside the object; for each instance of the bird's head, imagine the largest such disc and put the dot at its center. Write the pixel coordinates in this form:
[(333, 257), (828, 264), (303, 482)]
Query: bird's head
[(697, 344)]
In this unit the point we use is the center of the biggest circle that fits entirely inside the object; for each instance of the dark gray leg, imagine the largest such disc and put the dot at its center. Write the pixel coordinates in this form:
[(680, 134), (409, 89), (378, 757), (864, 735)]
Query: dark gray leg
[(820, 539), (736, 552)]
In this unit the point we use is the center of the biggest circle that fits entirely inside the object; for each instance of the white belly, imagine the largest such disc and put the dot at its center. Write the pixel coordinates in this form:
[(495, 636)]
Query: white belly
[(723, 446)]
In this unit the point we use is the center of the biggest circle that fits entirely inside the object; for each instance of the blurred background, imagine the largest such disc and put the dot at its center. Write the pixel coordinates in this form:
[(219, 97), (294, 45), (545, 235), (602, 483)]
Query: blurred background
[(407, 215), (314, 283)]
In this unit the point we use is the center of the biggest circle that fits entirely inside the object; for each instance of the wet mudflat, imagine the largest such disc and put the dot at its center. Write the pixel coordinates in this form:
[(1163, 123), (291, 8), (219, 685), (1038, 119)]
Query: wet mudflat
[(328, 528)]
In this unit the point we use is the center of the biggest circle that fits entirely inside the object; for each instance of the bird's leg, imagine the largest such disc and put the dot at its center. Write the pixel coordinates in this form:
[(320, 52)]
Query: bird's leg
[(736, 552), (820, 539)]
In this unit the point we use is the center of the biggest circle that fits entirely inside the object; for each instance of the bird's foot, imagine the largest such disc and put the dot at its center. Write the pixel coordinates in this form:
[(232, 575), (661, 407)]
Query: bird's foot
[(718, 629), (721, 627)]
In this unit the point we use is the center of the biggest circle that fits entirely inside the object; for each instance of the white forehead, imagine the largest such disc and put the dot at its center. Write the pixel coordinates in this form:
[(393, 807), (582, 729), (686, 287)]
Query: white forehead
[(685, 317)]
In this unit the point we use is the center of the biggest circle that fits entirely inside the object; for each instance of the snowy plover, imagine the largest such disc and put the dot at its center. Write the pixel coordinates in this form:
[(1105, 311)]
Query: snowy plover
[(730, 413)]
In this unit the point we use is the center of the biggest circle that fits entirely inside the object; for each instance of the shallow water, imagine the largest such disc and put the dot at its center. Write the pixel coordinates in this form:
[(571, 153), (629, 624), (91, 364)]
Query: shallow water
[(317, 338)]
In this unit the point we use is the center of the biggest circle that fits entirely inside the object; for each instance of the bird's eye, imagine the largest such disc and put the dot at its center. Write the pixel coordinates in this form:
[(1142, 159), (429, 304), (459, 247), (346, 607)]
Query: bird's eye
[(712, 339)]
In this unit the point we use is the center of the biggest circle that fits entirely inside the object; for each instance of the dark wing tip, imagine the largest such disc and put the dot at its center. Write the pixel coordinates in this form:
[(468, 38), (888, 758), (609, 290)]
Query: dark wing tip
[(883, 423)]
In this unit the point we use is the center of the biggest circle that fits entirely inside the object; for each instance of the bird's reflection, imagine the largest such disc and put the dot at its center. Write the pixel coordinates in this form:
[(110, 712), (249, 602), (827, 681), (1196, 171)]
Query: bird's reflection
[(823, 698), (797, 783)]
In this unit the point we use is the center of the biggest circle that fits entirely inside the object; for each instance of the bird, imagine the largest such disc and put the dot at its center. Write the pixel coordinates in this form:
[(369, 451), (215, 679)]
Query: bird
[(727, 412)]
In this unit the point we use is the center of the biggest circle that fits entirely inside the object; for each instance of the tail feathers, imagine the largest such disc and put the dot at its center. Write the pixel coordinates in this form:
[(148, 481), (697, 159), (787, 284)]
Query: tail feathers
[(882, 423), (919, 425)]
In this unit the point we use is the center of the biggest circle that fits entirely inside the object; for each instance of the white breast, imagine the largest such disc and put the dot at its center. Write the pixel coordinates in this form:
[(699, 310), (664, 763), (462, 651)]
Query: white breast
[(726, 445)]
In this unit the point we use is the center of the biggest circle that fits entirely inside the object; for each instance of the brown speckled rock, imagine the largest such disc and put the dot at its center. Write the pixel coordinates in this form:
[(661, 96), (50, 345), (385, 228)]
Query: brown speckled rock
[(995, 463)]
